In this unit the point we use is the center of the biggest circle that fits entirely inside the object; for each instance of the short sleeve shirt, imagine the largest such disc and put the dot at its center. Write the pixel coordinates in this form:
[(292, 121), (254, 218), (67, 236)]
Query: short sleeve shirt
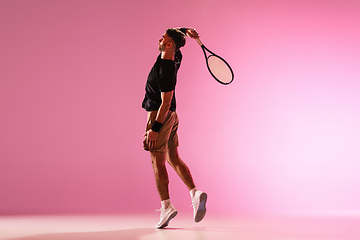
[(162, 78)]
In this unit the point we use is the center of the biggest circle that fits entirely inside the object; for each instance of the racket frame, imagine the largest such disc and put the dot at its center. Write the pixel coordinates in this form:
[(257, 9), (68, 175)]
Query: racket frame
[(215, 55)]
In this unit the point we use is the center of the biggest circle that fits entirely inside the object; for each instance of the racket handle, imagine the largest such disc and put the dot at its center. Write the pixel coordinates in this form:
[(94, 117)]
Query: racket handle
[(198, 41)]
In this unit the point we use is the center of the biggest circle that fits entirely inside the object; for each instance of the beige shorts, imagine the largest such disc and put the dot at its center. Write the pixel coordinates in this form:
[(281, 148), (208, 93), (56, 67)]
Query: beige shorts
[(167, 137)]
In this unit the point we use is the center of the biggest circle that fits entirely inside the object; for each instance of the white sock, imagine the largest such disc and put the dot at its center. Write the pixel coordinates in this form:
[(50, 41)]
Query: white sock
[(165, 203), (192, 192)]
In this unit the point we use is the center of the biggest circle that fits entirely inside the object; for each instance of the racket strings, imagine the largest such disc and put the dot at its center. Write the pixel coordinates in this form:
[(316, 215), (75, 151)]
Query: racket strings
[(220, 69)]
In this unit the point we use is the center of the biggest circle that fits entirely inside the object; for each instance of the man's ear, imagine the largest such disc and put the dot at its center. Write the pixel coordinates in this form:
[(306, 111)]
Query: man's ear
[(170, 45)]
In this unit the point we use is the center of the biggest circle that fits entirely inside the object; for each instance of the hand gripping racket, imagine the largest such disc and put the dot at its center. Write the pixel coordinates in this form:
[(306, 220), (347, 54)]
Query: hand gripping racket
[(217, 66)]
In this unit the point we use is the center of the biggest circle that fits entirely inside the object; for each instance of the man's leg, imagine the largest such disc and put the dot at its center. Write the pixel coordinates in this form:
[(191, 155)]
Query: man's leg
[(180, 167), (161, 176), (162, 183), (198, 198)]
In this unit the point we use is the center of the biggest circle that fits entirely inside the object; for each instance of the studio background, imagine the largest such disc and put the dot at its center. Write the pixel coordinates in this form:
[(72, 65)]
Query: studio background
[(283, 138)]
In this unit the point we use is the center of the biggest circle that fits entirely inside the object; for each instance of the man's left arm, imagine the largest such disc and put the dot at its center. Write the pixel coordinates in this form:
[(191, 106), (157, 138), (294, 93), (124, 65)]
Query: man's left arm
[(152, 134), (166, 98)]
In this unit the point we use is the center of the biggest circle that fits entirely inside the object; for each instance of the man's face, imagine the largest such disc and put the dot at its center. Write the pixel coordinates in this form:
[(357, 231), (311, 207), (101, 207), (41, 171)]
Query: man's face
[(163, 41)]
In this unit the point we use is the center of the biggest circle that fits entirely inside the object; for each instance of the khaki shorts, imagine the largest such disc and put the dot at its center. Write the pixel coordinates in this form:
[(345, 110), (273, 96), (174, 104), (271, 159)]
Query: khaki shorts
[(167, 137)]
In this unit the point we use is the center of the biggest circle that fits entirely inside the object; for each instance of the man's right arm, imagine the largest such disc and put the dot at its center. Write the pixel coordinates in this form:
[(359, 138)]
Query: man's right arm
[(191, 32)]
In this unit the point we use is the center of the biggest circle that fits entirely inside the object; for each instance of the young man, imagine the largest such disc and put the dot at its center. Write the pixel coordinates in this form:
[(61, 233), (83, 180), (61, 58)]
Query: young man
[(162, 123)]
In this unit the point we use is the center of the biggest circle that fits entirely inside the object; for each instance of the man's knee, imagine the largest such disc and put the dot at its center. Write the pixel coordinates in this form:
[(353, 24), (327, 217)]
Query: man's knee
[(173, 157), (157, 158)]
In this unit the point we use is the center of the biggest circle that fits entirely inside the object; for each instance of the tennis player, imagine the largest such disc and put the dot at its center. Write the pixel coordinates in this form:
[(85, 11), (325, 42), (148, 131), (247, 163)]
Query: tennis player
[(160, 137)]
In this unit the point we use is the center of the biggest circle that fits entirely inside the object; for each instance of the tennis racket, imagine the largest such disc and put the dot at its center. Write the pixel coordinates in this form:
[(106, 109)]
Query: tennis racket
[(217, 66)]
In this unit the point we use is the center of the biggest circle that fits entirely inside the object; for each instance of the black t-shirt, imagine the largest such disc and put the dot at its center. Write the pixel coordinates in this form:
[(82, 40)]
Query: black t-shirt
[(162, 78)]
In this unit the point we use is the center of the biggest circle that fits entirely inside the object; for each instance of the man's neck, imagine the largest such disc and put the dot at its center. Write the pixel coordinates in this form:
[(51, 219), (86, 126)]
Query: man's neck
[(168, 55)]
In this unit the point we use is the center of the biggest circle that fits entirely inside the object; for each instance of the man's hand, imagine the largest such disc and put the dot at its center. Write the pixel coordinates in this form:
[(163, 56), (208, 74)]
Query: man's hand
[(150, 138), (191, 32)]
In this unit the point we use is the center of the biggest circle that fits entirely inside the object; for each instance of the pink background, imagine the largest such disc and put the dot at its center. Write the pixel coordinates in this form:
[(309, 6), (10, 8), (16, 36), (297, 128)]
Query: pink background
[(283, 138)]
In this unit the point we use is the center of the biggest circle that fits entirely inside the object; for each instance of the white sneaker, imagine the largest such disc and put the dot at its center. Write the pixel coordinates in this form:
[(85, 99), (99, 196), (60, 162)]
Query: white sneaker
[(166, 215), (198, 203)]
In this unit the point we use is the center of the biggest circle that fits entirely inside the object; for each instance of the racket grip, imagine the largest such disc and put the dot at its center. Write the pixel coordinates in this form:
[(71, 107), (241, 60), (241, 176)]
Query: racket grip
[(198, 41)]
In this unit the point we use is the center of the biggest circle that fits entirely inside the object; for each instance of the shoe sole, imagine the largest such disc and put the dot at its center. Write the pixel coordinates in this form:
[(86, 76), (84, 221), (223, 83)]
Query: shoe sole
[(200, 214), (167, 222)]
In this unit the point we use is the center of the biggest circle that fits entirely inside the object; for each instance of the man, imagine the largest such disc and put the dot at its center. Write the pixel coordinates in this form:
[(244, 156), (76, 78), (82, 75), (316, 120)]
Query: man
[(162, 123)]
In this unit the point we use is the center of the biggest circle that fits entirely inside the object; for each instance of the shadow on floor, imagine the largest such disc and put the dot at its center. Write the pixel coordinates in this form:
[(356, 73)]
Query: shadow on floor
[(131, 234), (127, 234)]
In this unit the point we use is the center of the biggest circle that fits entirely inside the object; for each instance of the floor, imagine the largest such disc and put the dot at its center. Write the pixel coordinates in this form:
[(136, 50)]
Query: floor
[(139, 227)]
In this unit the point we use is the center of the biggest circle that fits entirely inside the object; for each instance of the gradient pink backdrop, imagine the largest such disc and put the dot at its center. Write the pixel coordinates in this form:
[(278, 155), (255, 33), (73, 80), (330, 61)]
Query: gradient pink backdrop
[(283, 138)]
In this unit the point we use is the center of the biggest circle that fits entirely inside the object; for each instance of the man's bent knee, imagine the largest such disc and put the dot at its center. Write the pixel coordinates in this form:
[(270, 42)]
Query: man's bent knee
[(173, 156)]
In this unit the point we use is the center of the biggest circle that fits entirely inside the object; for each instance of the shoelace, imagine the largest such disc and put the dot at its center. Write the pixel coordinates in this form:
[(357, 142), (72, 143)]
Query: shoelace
[(194, 205), (161, 215)]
